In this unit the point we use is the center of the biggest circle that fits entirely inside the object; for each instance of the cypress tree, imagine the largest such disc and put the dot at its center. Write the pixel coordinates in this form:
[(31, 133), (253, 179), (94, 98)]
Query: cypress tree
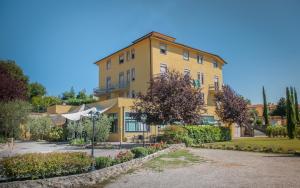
[(291, 118), (296, 106), (265, 112)]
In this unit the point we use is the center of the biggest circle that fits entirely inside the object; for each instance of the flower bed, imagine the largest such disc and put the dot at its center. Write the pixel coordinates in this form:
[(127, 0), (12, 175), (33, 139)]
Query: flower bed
[(42, 165), (91, 178)]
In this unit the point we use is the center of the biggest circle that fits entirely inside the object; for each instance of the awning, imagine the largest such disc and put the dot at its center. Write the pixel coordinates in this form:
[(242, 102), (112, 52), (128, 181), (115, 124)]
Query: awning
[(86, 113)]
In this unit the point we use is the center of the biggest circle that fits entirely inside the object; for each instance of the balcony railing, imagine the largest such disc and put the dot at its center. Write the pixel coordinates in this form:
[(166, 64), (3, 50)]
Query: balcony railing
[(213, 87), (113, 87)]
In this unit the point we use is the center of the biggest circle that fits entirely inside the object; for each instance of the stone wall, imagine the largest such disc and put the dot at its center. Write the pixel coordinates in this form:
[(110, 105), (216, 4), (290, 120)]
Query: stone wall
[(91, 178)]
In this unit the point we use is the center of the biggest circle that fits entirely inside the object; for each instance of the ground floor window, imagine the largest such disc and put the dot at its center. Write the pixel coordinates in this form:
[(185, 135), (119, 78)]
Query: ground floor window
[(132, 125), (208, 120), (114, 125)]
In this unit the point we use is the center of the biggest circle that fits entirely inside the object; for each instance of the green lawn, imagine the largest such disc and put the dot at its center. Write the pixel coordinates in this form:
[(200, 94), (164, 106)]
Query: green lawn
[(276, 145)]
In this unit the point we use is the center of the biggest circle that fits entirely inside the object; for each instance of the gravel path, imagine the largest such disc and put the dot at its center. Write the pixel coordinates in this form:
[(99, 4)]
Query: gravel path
[(44, 147), (220, 169)]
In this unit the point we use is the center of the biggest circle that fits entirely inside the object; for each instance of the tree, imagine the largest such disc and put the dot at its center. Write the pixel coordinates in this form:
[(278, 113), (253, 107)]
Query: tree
[(41, 103), (291, 117), (12, 114), (280, 109), (69, 94), (36, 89), (82, 94), (170, 97), (39, 127), (296, 106), (266, 111), (231, 107), (102, 128), (14, 83)]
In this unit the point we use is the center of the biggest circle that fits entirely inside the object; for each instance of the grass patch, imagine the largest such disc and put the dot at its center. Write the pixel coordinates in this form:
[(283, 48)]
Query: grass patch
[(174, 159), (274, 145)]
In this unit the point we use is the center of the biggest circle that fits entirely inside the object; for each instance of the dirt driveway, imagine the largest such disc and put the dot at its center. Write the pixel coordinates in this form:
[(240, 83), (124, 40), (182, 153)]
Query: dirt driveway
[(219, 168)]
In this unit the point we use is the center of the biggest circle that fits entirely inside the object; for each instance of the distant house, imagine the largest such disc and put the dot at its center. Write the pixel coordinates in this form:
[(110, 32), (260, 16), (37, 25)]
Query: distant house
[(274, 120)]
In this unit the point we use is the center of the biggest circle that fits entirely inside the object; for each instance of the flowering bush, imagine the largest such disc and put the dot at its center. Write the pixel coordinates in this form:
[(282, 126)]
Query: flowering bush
[(124, 156), (158, 146), (174, 134)]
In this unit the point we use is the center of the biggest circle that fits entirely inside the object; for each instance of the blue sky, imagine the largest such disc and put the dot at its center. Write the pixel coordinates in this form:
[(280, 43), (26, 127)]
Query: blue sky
[(56, 42)]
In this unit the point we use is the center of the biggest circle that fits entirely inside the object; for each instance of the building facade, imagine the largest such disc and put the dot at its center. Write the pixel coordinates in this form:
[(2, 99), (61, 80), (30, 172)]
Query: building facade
[(128, 71)]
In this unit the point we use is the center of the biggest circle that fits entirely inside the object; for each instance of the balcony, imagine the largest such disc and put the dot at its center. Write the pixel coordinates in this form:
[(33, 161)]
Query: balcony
[(213, 87), (113, 88)]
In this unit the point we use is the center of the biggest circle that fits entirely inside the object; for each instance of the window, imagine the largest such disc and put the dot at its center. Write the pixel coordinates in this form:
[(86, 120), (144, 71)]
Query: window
[(202, 78), (121, 80), (163, 68), (186, 55), (114, 124), (108, 82), (121, 58), (215, 64), (127, 55), (132, 125), (186, 72), (216, 82), (163, 48), (132, 94), (128, 76), (108, 64), (133, 74), (132, 53), (199, 76), (199, 59)]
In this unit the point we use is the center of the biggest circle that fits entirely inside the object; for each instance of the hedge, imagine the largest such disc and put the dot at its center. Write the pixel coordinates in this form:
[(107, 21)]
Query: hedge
[(276, 131), (42, 165), (207, 134)]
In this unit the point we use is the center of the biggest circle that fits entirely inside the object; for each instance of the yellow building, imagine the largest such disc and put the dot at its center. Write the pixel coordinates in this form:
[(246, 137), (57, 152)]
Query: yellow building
[(128, 71)]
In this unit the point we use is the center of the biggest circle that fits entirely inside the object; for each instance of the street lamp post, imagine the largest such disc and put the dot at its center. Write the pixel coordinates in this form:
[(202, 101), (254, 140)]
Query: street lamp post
[(143, 119), (93, 117)]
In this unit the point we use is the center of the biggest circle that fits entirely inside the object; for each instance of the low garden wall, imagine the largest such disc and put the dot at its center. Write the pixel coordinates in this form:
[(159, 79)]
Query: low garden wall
[(91, 178)]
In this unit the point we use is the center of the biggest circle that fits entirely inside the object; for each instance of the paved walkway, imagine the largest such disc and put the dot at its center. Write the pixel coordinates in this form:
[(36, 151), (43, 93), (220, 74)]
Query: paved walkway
[(220, 169), (44, 147)]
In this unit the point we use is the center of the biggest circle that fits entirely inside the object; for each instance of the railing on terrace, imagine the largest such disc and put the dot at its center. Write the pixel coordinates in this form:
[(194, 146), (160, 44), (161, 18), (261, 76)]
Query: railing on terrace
[(112, 88), (213, 87)]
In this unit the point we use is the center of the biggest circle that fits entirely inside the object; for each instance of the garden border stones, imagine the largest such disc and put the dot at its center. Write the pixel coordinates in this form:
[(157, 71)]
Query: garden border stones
[(90, 178)]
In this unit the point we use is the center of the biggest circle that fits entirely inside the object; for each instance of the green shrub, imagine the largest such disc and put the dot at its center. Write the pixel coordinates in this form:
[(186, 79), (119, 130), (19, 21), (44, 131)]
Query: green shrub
[(77, 142), (41, 165), (139, 152), (276, 131), (174, 134), (124, 156), (103, 162), (151, 150), (297, 132), (187, 141), (2, 139), (56, 134), (259, 122), (207, 134)]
